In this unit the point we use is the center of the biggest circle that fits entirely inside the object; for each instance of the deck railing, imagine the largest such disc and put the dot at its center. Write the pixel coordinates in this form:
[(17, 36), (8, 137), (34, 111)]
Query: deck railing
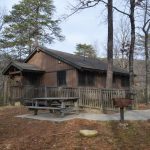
[(140, 96), (88, 97)]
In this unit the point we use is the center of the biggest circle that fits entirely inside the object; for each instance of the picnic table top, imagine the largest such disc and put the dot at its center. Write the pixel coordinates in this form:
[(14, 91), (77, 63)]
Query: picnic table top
[(56, 98)]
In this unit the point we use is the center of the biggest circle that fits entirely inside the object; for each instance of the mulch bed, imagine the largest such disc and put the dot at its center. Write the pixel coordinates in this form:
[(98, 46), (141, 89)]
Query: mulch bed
[(27, 134)]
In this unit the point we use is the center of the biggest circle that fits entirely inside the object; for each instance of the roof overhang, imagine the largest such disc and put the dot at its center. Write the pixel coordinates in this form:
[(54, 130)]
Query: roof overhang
[(20, 69), (105, 71)]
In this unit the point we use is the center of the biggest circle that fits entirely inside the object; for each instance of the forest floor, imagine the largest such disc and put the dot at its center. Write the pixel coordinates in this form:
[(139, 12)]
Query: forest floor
[(143, 106), (27, 134)]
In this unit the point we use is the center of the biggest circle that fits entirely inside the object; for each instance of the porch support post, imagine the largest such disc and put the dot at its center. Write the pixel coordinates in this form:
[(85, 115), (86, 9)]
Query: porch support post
[(21, 88)]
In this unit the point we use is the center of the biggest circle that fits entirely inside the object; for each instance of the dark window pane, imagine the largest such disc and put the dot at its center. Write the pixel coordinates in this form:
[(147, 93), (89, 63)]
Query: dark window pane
[(125, 82), (86, 78), (61, 78), (90, 77), (82, 78), (114, 80)]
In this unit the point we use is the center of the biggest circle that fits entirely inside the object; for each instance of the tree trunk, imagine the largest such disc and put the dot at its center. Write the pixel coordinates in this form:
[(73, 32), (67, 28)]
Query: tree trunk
[(132, 45), (109, 80), (146, 31), (146, 67)]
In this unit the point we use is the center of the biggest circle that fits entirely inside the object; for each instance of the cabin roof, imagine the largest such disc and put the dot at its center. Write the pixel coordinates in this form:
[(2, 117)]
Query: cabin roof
[(79, 62), (24, 67)]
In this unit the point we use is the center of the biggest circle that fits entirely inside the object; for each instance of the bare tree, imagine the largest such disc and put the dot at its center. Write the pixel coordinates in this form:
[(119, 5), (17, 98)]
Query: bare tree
[(2, 13), (109, 78), (122, 43), (146, 29), (130, 14), (83, 4)]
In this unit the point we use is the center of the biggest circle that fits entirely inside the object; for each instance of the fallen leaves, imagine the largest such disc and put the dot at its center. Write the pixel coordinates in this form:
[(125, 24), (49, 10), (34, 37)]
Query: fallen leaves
[(23, 134)]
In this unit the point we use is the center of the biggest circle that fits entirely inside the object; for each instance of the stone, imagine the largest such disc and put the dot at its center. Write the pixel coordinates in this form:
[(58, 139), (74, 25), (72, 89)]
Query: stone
[(88, 133)]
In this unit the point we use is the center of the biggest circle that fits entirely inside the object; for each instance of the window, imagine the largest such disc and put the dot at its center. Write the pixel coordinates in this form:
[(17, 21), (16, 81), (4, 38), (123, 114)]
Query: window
[(114, 82), (124, 82), (61, 78), (86, 78)]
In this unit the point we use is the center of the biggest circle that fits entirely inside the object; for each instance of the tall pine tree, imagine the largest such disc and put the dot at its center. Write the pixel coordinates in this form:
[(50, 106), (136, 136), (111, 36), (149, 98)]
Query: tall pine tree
[(86, 50), (30, 23)]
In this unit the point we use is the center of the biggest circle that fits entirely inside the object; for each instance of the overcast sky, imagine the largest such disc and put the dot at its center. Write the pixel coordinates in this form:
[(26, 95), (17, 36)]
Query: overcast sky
[(88, 26)]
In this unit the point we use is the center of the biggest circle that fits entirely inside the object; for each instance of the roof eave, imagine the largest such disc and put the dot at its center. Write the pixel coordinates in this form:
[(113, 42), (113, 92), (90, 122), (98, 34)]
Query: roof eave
[(98, 70), (9, 65), (34, 71)]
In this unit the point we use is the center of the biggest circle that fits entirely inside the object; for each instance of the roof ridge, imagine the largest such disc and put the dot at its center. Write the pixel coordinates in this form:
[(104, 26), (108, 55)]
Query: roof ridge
[(86, 58)]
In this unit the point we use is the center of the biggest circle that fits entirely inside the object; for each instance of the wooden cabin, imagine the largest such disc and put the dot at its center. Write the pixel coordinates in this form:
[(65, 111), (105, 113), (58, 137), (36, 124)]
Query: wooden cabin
[(55, 68)]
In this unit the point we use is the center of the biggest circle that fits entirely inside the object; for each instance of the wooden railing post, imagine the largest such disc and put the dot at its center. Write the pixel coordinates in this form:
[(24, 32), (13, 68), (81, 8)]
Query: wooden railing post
[(5, 92), (100, 99), (45, 89), (79, 95)]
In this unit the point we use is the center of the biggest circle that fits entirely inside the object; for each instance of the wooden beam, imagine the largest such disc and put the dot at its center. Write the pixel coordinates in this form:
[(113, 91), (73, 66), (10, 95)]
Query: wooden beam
[(14, 72)]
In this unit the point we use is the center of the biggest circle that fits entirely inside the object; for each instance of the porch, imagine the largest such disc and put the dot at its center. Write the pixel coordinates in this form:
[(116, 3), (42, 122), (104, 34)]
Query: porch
[(93, 98), (23, 74)]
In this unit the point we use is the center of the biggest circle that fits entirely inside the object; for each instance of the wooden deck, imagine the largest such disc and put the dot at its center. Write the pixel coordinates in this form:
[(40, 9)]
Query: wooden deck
[(88, 97)]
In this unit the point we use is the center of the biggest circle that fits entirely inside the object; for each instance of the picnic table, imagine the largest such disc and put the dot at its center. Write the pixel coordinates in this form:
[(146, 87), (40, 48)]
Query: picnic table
[(60, 104)]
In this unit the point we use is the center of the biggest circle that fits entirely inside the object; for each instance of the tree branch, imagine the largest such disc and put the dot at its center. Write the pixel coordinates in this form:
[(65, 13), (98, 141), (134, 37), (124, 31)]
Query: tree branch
[(84, 4), (117, 9)]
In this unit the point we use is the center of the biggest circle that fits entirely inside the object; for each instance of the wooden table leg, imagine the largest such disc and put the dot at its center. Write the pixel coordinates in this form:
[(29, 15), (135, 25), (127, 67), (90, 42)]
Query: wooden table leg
[(76, 107), (62, 109), (35, 112), (32, 103), (36, 103)]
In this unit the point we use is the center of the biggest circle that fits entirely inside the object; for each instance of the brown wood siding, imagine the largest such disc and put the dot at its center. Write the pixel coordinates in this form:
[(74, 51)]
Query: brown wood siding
[(17, 80), (50, 79), (48, 63), (51, 65), (72, 78), (118, 82), (101, 81)]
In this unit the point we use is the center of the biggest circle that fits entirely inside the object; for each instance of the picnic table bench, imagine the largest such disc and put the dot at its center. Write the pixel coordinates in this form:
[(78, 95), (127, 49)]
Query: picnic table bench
[(59, 104)]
